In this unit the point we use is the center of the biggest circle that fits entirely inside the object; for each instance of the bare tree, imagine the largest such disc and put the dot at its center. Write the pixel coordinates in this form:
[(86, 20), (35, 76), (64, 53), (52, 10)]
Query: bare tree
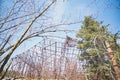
[(24, 20)]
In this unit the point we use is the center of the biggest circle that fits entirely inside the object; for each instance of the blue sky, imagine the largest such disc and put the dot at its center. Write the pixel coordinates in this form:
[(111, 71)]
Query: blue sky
[(102, 10), (76, 10)]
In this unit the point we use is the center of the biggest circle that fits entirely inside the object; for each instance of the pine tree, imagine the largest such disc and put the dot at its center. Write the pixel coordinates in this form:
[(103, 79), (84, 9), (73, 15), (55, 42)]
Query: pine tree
[(92, 37)]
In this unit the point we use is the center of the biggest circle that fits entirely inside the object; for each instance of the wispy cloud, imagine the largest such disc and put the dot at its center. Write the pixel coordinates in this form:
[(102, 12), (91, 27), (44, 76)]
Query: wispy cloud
[(59, 10)]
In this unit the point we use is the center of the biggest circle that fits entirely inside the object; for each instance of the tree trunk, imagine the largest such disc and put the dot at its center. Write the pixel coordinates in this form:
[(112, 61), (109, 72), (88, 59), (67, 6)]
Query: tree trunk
[(112, 58)]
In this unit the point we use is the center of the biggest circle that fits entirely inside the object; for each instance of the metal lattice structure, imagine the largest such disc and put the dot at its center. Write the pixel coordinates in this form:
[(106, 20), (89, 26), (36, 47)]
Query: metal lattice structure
[(50, 59)]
